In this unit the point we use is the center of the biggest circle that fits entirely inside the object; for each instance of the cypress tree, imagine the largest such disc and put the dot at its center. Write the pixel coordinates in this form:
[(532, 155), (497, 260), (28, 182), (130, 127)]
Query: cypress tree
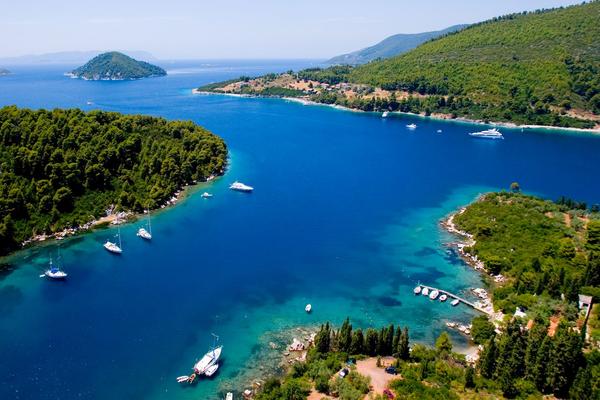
[(582, 385), (469, 377), (487, 360), (404, 347), (381, 342), (371, 341), (389, 341), (322, 339), (540, 367), (535, 338), (358, 342), (345, 336), (396, 342)]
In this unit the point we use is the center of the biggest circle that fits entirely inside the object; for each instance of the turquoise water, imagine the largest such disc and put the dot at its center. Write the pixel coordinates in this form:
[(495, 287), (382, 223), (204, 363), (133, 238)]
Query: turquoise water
[(344, 216)]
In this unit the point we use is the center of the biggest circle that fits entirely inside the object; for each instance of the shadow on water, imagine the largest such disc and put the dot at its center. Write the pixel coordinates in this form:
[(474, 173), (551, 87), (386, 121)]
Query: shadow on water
[(10, 298)]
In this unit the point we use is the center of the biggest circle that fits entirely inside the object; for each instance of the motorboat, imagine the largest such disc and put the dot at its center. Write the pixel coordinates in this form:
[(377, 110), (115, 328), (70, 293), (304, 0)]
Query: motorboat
[(308, 308), (443, 297), (385, 114), (412, 126), (434, 294), (417, 290), (210, 371), (209, 359), (488, 134), (240, 187), (425, 291), (439, 131), (206, 195), (455, 302), (183, 378)]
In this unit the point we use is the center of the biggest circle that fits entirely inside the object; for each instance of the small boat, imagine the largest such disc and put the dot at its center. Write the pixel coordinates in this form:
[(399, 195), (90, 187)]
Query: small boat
[(308, 308), (455, 302), (412, 126), (192, 378), (210, 371), (488, 134), (240, 187), (385, 114), (443, 297), (206, 195), (439, 131), (229, 396), (417, 290), (54, 272), (425, 292), (183, 378), (434, 294), (113, 247), (145, 234)]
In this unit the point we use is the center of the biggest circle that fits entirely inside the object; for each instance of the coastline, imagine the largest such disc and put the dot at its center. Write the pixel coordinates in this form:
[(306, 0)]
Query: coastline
[(434, 116)]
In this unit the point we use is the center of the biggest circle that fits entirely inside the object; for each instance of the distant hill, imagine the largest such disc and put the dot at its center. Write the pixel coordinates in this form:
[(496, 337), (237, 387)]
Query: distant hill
[(4, 72), (116, 66), (68, 57), (390, 47)]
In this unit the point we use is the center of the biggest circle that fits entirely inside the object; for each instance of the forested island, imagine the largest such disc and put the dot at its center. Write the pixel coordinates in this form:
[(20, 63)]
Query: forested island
[(547, 253), (532, 68), (61, 168), (116, 66)]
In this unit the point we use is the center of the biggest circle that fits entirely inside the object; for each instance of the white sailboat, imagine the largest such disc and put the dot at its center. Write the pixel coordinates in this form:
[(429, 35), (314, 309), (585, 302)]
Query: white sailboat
[(54, 272), (113, 247), (210, 371), (143, 233), (209, 358)]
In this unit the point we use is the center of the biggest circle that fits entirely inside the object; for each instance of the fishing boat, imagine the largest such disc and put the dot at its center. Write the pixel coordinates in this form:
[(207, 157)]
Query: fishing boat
[(434, 294), (209, 358), (488, 134), (417, 290), (206, 195), (240, 187), (210, 371), (412, 126), (308, 308), (385, 114), (183, 378), (425, 291), (145, 234), (443, 297), (455, 302), (54, 272)]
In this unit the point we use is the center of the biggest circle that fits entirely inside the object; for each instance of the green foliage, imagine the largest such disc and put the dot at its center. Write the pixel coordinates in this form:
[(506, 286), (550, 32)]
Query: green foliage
[(443, 344), (117, 66), (352, 387), (61, 168), (482, 329)]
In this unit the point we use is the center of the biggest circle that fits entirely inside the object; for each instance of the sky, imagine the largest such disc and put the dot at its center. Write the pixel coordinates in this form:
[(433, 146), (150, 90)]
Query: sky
[(200, 29)]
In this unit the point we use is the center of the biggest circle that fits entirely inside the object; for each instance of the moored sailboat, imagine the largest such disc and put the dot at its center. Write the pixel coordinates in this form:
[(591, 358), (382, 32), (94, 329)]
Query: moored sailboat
[(113, 247), (54, 272), (145, 234)]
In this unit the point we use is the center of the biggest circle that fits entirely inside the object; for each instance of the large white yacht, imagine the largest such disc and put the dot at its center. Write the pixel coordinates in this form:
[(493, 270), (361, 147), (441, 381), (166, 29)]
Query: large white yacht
[(208, 360), (488, 134), (240, 187)]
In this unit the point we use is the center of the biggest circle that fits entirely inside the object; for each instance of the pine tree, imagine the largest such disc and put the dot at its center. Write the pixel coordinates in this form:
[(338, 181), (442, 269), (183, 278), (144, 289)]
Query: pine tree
[(582, 385), (371, 341), (322, 339), (565, 360), (396, 342), (535, 338), (487, 360), (389, 341), (469, 377), (540, 367), (404, 346), (443, 344), (381, 342), (345, 336)]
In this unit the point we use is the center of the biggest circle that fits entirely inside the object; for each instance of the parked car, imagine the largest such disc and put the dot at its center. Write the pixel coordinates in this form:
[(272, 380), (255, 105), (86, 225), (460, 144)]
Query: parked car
[(343, 373), (391, 370)]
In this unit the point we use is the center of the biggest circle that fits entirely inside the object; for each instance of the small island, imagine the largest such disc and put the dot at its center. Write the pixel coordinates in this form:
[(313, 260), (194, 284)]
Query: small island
[(115, 66), (4, 72)]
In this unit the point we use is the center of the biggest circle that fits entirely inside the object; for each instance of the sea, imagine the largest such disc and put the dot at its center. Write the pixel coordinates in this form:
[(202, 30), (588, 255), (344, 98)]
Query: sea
[(345, 216)]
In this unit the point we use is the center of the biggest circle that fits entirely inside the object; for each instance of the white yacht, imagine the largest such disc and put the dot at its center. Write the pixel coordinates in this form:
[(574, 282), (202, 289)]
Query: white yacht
[(488, 134), (443, 297), (210, 371), (209, 359), (143, 233), (240, 187), (113, 247), (385, 114), (417, 290), (455, 302), (434, 294), (54, 272), (206, 195), (412, 126), (308, 308), (425, 292), (183, 378)]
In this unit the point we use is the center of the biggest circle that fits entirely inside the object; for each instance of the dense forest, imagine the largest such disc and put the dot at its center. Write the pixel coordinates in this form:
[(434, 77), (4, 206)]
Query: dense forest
[(521, 362), (62, 168), (116, 66), (547, 250)]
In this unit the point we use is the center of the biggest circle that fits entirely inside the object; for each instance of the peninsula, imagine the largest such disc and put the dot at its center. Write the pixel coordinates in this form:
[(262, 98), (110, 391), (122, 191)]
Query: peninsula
[(62, 167), (116, 66), (533, 68)]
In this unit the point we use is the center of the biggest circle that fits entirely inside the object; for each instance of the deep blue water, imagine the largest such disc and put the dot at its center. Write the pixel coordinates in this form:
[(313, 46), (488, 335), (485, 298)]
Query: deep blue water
[(344, 216)]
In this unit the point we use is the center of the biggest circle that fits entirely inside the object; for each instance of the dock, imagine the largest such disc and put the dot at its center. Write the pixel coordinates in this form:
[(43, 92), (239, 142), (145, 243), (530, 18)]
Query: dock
[(454, 296)]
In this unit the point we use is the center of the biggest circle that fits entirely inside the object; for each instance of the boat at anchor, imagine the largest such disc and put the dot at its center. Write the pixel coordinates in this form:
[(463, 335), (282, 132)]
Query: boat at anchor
[(488, 134), (240, 187)]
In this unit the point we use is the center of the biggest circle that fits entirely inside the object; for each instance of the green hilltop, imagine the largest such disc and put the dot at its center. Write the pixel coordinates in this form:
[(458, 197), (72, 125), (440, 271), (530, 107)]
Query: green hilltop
[(524, 63), (116, 66)]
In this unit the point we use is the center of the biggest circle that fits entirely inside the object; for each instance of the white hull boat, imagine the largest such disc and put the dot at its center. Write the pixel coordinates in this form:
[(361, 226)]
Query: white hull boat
[(443, 297), (183, 378), (209, 359), (229, 396), (210, 371), (487, 134), (308, 308), (434, 294), (112, 247), (240, 187), (455, 302), (425, 292), (54, 272), (385, 114), (206, 195), (412, 126), (144, 234), (417, 290)]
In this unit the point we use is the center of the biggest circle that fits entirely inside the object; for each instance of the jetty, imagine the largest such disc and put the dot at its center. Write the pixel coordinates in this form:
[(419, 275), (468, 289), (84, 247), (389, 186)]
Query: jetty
[(460, 299)]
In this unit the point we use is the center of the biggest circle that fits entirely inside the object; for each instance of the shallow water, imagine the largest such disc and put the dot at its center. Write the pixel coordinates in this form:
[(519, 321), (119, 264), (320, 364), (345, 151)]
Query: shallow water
[(344, 216)]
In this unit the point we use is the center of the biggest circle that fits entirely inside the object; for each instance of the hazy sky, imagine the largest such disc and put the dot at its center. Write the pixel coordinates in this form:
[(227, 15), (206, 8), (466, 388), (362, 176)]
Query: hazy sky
[(232, 28)]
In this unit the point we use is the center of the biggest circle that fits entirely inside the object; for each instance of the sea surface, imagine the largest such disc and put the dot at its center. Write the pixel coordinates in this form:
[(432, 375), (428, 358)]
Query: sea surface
[(345, 216)]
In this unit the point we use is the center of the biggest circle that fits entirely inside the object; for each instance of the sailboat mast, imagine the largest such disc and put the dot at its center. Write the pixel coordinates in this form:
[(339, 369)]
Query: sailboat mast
[(149, 223)]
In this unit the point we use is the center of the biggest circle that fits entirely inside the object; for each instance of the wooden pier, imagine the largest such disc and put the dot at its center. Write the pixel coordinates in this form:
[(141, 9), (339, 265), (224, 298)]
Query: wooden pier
[(452, 295)]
